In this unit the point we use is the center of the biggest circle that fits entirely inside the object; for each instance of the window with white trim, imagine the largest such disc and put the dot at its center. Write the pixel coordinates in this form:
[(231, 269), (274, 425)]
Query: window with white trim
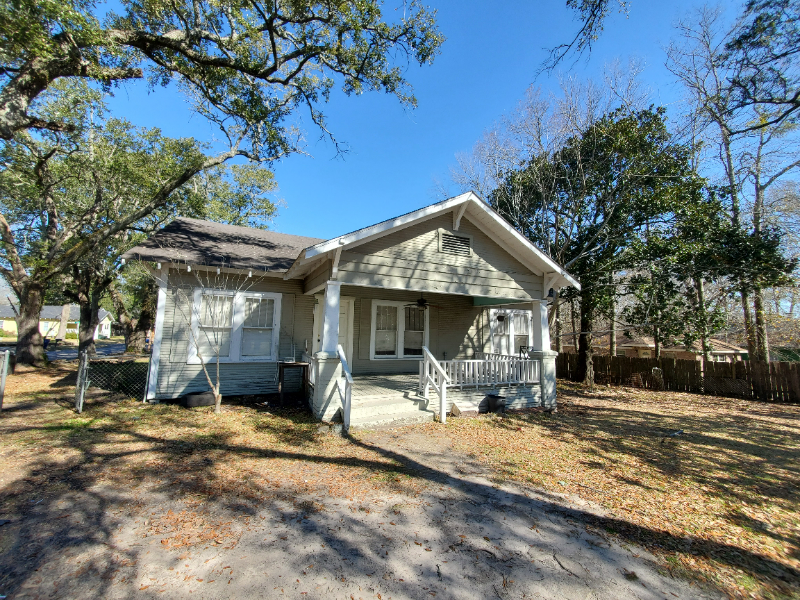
[(398, 330), (236, 326), (510, 330)]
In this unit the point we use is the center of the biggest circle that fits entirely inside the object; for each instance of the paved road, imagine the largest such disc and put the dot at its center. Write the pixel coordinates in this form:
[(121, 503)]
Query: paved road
[(104, 348)]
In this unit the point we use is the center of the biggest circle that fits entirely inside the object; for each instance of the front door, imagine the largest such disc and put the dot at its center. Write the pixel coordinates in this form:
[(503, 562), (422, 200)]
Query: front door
[(345, 326)]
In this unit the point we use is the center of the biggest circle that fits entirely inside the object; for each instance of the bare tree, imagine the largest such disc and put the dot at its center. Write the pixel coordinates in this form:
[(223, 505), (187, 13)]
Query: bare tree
[(747, 161)]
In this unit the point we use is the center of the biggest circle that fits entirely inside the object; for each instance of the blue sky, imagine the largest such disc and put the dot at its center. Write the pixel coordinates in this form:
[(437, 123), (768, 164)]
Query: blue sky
[(395, 154)]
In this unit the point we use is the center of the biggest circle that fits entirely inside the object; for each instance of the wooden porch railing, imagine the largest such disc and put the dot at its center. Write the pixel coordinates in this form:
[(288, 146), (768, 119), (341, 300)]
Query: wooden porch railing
[(492, 370), (346, 393), (431, 374)]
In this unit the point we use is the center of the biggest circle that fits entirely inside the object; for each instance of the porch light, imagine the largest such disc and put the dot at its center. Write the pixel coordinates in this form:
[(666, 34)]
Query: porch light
[(250, 273), (158, 266), (217, 270), (188, 268)]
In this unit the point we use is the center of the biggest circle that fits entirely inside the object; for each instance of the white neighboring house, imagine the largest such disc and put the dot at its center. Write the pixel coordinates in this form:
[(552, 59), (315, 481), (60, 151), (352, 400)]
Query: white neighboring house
[(447, 301), (50, 320)]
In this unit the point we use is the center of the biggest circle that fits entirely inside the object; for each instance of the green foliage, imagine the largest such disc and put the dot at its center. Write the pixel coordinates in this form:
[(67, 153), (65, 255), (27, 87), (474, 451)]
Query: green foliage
[(247, 65), (604, 187), (763, 55), (57, 190)]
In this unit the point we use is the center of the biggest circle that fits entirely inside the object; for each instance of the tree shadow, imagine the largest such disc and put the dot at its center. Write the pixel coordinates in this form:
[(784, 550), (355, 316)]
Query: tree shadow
[(66, 505)]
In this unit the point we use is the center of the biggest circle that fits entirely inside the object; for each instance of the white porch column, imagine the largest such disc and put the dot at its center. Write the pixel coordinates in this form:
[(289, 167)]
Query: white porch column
[(541, 326), (330, 317)]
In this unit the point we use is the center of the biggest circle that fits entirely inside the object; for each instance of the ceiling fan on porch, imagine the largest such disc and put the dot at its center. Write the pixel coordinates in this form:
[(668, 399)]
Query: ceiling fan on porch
[(422, 303)]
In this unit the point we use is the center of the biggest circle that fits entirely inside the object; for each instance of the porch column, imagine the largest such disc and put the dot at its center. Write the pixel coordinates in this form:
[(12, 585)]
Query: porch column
[(330, 318), (541, 326), (328, 369), (545, 356)]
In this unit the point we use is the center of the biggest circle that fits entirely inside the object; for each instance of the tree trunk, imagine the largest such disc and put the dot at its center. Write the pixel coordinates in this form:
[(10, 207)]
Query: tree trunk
[(656, 342), (703, 316), (89, 308), (62, 326), (30, 344), (123, 318), (138, 338), (748, 326), (572, 312), (585, 369), (612, 333), (558, 327), (762, 338)]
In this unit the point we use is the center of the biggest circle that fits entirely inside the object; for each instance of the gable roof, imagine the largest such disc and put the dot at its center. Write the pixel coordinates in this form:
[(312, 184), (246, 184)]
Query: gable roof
[(479, 213), (197, 242), (192, 241), (51, 312)]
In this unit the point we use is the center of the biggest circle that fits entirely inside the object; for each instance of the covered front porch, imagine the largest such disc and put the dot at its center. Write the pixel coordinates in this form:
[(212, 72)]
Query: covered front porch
[(448, 366), (447, 297)]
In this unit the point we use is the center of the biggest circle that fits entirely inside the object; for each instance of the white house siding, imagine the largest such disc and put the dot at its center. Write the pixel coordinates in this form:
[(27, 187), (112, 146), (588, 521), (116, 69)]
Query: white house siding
[(410, 259), (176, 378)]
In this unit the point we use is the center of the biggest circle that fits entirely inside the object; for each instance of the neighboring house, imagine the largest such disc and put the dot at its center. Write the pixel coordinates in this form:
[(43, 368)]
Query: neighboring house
[(644, 347), (451, 288), (50, 320)]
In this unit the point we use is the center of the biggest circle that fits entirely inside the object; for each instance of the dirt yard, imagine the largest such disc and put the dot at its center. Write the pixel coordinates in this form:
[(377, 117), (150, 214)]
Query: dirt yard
[(598, 500)]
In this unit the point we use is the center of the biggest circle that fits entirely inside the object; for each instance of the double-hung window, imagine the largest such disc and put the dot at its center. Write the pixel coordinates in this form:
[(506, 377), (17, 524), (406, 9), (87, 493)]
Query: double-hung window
[(511, 330), (399, 330), (234, 326)]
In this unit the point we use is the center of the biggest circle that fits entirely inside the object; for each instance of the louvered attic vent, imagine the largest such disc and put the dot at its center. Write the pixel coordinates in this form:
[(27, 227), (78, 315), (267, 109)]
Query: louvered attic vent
[(455, 244)]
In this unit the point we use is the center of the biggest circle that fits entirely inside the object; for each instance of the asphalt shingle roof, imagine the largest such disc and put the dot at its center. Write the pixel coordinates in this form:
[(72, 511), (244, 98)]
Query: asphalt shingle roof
[(196, 242)]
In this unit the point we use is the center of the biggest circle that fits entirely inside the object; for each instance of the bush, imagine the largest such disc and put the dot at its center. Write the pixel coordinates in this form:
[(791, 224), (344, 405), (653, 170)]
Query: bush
[(71, 336), (4, 333)]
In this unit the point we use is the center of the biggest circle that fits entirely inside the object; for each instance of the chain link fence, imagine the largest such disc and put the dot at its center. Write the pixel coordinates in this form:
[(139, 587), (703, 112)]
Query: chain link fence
[(125, 375)]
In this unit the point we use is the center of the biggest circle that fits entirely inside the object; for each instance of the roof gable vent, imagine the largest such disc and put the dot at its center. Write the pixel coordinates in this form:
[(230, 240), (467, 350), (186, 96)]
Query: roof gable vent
[(455, 244)]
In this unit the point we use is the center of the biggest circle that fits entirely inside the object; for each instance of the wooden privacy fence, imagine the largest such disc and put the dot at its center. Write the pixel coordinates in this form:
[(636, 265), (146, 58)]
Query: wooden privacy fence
[(774, 381)]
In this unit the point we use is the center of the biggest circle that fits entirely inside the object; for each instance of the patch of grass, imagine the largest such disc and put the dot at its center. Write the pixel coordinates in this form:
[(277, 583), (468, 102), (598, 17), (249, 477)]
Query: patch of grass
[(247, 452), (720, 501)]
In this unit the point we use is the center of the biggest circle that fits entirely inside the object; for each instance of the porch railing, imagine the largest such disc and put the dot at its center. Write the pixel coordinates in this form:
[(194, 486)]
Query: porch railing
[(346, 391), (431, 374), (501, 370)]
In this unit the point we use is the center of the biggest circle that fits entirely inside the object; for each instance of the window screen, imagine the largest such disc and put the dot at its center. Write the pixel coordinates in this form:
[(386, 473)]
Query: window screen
[(521, 330), (414, 334), (257, 326), (216, 323), (385, 330)]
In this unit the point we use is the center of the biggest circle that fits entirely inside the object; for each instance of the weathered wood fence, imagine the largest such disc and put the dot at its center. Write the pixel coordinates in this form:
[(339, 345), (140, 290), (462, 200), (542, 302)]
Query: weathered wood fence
[(775, 381)]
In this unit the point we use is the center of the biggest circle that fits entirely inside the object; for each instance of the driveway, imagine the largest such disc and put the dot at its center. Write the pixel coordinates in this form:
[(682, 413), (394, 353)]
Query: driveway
[(462, 537)]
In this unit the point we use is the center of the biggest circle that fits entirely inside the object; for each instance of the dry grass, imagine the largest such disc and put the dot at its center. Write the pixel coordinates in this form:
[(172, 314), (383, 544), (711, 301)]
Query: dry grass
[(189, 453), (720, 500)]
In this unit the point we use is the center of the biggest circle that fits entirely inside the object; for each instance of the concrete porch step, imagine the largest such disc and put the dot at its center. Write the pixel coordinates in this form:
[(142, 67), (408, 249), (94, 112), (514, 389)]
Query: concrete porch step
[(363, 407), (397, 419)]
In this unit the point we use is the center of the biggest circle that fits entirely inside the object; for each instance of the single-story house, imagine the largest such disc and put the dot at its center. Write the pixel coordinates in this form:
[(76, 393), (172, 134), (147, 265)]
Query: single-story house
[(644, 347), (50, 320), (396, 321)]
